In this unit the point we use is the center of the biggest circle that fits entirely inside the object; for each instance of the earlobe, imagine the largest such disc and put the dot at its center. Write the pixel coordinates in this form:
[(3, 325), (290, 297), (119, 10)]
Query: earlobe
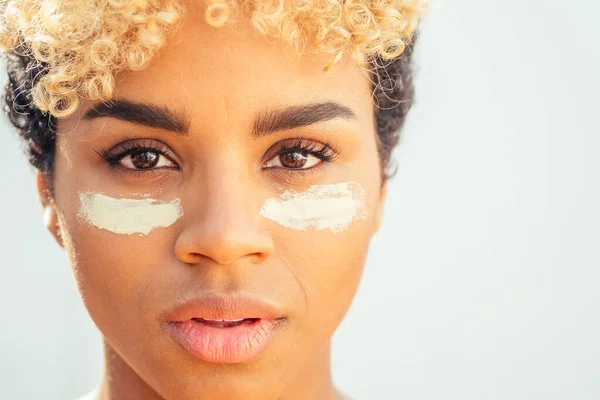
[(49, 207), (379, 215)]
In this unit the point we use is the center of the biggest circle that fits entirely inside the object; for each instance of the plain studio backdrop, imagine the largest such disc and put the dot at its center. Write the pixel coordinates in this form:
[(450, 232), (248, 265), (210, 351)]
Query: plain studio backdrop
[(483, 281)]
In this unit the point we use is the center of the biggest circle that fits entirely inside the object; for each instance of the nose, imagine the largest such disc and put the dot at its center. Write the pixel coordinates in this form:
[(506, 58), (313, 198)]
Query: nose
[(223, 225)]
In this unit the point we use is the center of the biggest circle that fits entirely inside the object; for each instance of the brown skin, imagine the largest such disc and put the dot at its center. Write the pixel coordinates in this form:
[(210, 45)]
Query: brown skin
[(221, 78)]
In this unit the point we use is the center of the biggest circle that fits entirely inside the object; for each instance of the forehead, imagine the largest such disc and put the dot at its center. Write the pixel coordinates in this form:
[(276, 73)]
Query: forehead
[(235, 71)]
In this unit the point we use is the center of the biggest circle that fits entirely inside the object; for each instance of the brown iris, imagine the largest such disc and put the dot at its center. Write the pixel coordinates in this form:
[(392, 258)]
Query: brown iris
[(144, 159), (294, 159)]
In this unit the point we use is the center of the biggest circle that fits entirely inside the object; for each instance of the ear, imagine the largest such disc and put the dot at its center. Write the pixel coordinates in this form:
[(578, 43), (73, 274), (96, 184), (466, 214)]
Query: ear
[(48, 207), (379, 212)]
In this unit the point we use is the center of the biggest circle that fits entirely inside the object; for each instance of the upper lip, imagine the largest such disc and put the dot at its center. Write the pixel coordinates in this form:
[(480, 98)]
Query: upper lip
[(219, 306)]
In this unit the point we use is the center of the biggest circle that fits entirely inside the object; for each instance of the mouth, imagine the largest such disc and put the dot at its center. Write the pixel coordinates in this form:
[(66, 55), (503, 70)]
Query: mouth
[(224, 323), (215, 328)]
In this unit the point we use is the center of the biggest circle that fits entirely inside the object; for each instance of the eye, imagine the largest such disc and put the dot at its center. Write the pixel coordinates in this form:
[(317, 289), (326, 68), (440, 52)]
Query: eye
[(139, 156), (299, 154), (145, 159), (294, 160)]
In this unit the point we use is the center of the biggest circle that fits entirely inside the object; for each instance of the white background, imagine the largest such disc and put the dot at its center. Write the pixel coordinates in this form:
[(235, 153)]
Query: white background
[(483, 282)]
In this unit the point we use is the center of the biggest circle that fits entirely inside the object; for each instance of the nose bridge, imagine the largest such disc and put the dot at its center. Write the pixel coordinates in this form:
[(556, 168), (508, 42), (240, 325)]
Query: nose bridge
[(226, 224), (228, 200), (230, 190)]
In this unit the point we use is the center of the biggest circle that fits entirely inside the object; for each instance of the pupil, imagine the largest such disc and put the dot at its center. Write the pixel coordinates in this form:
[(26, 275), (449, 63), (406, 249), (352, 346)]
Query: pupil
[(144, 159), (294, 159)]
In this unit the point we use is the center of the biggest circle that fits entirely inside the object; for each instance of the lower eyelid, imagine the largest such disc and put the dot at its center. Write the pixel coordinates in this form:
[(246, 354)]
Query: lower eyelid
[(151, 175), (297, 172)]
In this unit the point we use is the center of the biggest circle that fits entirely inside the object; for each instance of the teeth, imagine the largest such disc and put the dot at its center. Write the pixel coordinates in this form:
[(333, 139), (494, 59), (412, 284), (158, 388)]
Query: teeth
[(224, 320)]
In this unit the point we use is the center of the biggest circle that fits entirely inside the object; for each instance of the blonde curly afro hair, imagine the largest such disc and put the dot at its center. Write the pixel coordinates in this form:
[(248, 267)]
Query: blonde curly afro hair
[(84, 42), (61, 51)]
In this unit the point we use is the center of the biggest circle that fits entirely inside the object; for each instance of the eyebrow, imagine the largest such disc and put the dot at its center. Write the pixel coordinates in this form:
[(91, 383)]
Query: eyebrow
[(265, 123), (268, 122), (146, 114)]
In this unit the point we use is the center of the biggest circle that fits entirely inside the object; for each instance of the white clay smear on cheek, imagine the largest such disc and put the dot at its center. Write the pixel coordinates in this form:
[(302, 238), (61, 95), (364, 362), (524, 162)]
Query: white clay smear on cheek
[(127, 216), (321, 207)]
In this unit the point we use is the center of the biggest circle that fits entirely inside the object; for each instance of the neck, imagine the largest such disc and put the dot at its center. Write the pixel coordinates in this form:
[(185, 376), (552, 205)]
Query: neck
[(120, 381), (314, 380)]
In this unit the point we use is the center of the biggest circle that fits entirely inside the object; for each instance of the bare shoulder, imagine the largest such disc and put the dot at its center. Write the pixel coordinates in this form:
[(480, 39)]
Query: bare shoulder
[(91, 395), (345, 396)]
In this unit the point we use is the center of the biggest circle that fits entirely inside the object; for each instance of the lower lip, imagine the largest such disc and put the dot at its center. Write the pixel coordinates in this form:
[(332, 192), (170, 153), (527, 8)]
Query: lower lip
[(232, 345)]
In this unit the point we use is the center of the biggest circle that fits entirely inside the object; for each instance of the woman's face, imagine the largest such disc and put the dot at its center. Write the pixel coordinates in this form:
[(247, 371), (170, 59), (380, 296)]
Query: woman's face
[(221, 169)]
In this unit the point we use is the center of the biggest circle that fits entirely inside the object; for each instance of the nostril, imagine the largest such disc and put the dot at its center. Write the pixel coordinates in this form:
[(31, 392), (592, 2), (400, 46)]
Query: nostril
[(224, 239), (222, 255)]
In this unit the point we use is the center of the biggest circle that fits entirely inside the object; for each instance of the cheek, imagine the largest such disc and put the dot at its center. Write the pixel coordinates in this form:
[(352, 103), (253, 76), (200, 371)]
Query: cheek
[(328, 263), (328, 267), (113, 270)]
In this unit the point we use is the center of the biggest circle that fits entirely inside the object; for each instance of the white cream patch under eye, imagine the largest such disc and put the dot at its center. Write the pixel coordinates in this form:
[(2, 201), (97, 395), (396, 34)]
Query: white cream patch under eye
[(127, 216), (321, 207)]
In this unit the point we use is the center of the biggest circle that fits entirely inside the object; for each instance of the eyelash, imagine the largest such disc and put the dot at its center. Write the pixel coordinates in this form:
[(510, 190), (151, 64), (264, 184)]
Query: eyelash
[(133, 147), (326, 152)]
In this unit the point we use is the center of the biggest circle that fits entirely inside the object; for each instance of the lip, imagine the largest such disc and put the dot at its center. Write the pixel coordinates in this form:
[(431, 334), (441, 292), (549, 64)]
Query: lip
[(224, 345)]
